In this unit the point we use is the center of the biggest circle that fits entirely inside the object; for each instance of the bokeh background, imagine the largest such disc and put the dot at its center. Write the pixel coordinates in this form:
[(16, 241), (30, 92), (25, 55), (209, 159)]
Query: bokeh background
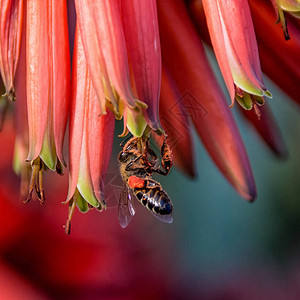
[(218, 247)]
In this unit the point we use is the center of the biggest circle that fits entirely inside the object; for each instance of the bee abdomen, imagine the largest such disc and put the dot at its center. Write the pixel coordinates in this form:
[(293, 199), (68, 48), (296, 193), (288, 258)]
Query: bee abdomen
[(155, 200)]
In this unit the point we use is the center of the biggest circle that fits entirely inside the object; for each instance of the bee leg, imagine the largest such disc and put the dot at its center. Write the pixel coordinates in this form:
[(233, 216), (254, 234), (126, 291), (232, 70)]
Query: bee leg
[(133, 167), (125, 141), (166, 157), (160, 171), (130, 166), (167, 165)]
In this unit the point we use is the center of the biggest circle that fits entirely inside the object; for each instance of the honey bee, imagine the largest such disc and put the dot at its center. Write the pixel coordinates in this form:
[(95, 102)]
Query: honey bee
[(137, 164)]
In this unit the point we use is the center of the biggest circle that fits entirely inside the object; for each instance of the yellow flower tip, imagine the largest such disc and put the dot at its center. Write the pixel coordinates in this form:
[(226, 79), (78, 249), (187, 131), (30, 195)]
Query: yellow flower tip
[(259, 100), (82, 204), (268, 94), (136, 122), (292, 6), (49, 157), (245, 102), (249, 101), (86, 191)]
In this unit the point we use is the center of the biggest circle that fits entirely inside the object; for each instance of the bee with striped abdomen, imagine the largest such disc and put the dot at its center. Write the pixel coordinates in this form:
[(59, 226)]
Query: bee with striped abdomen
[(137, 164)]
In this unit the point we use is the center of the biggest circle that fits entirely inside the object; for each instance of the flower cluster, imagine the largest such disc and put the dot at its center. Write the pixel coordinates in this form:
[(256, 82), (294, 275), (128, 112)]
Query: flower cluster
[(143, 62)]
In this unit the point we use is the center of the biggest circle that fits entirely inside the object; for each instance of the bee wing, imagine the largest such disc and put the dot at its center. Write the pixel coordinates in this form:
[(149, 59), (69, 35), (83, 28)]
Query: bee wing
[(163, 218), (126, 209), (131, 198)]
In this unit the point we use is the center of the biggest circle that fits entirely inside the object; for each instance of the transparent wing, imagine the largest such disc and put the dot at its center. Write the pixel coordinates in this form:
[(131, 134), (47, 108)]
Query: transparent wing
[(126, 209), (131, 198), (163, 218)]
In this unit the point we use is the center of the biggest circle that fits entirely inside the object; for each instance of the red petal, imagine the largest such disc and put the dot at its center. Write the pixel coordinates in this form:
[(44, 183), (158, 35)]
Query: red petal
[(80, 79), (91, 134), (61, 73), (174, 119), (142, 38), (48, 67), (105, 48), (216, 35), (21, 116), (100, 141), (11, 20), (38, 74), (234, 42)]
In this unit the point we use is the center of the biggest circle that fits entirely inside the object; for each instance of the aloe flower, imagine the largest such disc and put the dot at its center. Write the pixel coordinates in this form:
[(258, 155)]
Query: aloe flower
[(91, 138), (11, 19), (233, 39), (105, 49), (144, 53), (225, 146), (47, 85), (142, 62)]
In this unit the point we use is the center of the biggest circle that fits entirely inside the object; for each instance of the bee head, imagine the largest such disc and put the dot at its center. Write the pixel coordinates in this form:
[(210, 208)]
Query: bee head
[(124, 157)]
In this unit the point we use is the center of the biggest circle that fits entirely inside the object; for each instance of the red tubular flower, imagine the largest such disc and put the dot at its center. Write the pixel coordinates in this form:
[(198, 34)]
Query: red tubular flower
[(11, 18), (143, 46), (233, 39), (48, 85), (266, 127), (174, 120), (91, 137), (48, 79), (274, 64), (184, 56), (105, 49)]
